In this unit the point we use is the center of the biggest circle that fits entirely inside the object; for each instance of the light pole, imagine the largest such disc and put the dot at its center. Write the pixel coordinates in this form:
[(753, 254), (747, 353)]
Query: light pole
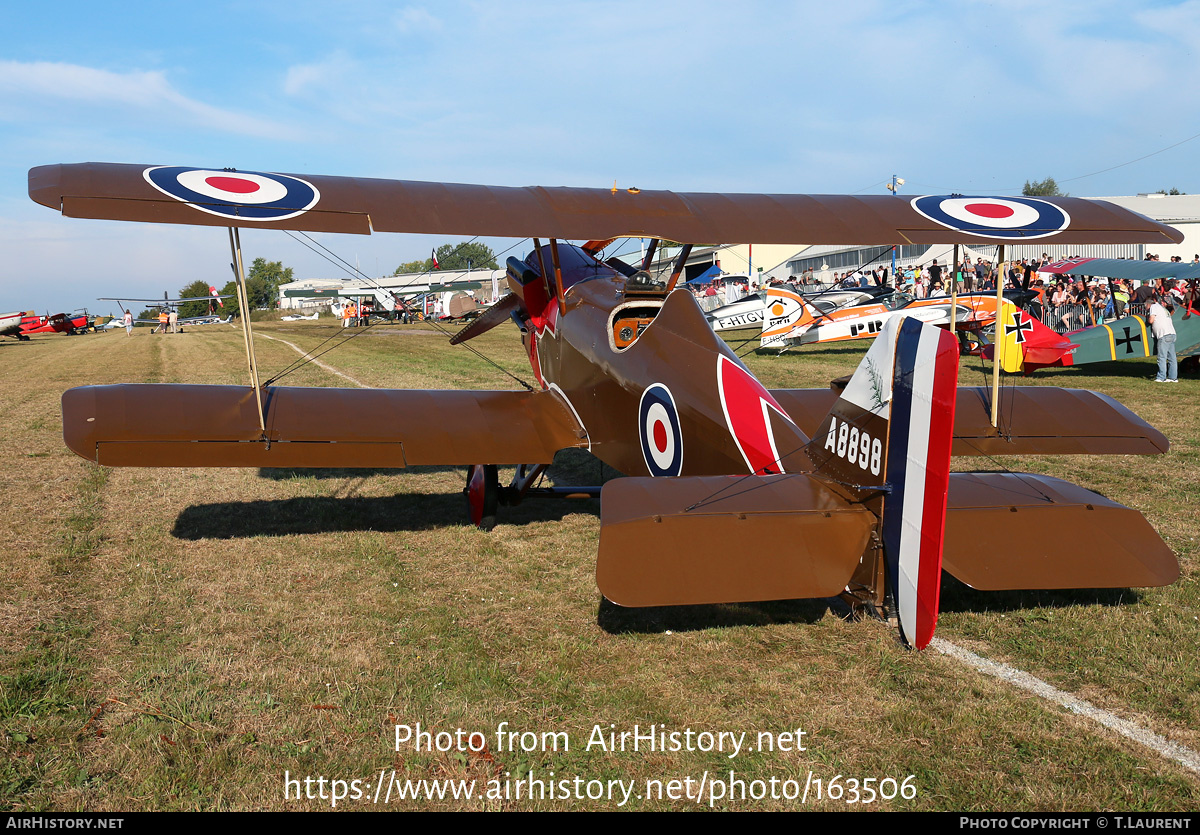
[(894, 188)]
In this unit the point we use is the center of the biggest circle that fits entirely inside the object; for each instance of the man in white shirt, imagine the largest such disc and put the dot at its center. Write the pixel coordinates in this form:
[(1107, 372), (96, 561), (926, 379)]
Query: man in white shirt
[(1159, 318)]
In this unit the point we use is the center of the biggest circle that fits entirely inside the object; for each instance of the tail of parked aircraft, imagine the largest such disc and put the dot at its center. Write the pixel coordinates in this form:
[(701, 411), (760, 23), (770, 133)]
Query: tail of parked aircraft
[(1023, 343), (788, 315), (881, 466), (890, 434)]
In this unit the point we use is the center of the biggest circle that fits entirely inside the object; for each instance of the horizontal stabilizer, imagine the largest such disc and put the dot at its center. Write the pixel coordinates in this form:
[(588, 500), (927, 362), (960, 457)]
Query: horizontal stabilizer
[(750, 538), (217, 426), (1018, 531), (1035, 420)]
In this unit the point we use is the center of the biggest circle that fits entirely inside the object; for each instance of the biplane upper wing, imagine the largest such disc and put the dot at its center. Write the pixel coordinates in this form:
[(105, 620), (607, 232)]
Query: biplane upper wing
[(1123, 268), (1036, 420), (217, 426), (215, 197), (164, 301)]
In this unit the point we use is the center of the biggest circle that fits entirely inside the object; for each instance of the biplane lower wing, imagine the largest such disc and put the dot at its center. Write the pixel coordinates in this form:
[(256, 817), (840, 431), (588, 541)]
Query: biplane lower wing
[(217, 426), (724, 539), (1050, 534), (1036, 420)]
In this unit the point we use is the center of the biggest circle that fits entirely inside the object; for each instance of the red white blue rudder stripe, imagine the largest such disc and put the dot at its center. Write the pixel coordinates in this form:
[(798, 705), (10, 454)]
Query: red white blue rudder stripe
[(924, 385)]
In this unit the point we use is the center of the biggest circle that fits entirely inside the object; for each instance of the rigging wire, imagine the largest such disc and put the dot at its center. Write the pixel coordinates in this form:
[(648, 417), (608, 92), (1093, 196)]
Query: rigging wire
[(833, 289), (341, 263)]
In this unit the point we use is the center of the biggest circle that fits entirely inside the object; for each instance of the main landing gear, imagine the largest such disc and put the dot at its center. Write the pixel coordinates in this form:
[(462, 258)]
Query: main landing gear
[(485, 495)]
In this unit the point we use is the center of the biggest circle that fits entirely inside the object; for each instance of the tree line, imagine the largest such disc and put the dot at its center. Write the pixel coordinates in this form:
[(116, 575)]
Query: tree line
[(264, 279)]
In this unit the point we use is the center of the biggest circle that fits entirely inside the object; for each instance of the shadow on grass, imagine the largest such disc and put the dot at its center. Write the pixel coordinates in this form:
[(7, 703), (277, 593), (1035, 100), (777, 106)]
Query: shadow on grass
[(571, 467), (955, 597), (618, 620), (1114, 368), (797, 350), (287, 473), (959, 597), (322, 514)]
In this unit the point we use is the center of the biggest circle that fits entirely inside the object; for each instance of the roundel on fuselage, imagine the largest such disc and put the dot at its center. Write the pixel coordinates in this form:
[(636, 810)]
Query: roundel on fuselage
[(661, 436)]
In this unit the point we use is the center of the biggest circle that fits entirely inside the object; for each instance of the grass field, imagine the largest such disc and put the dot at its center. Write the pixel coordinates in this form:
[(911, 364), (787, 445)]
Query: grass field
[(183, 639)]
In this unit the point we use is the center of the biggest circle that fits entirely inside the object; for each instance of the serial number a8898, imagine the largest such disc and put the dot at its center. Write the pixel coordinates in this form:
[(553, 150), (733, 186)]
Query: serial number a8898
[(854, 446)]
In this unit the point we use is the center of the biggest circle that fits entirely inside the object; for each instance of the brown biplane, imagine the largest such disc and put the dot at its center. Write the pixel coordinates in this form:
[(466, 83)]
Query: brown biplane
[(735, 493)]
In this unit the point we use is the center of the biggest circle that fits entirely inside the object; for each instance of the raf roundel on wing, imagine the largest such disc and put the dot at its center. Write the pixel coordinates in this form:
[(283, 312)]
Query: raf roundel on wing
[(1007, 218), (246, 195), (658, 426)]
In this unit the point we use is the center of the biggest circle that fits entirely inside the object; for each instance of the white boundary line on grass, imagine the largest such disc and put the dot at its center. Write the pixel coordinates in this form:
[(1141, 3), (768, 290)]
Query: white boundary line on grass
[(1185, 756), (304, 354)]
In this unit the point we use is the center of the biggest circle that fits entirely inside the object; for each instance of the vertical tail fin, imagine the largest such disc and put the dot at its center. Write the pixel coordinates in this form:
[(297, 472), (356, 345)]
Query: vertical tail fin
[(1013, 327), (891, 432), (787, 316), (1023, 343)]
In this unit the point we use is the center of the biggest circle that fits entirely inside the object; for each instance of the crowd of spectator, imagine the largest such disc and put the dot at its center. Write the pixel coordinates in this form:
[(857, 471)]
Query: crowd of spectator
[(1067, 302)]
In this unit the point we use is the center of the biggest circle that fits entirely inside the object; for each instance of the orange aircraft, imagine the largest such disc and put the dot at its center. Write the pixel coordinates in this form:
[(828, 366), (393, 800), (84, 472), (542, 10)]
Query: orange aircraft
[(844, 493), (793, 320)]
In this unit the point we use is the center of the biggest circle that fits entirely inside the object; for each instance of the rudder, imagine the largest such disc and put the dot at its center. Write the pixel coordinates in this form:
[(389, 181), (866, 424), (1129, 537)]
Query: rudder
[(890, 434)]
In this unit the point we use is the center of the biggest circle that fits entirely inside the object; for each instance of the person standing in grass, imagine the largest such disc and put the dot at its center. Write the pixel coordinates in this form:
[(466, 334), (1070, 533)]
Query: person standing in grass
[(1164, 335)]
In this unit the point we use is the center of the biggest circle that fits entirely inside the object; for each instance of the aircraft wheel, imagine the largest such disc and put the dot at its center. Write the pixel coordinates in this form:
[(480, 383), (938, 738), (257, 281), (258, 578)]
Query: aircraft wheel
[(483, 495)]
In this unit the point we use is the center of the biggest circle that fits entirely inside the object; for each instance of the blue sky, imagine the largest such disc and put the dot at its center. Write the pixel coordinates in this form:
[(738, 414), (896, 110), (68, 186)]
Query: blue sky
[(972, 97)]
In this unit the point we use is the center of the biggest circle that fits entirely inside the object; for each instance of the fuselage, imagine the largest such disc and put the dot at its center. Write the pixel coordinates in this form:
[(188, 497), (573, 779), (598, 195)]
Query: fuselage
[(970, 312), (657, 391)]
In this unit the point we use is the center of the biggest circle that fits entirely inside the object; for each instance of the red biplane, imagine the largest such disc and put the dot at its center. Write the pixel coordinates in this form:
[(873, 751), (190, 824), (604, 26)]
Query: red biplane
[(846, 493)]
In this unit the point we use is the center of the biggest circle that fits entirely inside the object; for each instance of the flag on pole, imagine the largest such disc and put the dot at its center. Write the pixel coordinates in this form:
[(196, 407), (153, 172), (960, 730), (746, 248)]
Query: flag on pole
[(433, 258)]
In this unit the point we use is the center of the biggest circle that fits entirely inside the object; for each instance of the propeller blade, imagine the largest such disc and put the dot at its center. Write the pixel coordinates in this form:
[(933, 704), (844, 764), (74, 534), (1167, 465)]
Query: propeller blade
[(494, 315)]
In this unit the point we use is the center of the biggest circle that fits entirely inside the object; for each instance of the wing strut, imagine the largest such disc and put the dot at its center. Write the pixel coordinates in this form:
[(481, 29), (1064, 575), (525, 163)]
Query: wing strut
[(954, 293), (999, 332), (677, 270), (235, 244)]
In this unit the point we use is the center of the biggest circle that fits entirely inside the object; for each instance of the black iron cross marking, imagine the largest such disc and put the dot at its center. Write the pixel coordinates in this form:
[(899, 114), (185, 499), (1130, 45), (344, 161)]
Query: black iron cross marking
[(1020, 328), (1128, 340)]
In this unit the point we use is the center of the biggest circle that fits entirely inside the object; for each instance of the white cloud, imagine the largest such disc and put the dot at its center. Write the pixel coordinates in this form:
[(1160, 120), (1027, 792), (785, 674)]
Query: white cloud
[(416, 19), (1181, 22), (334, 72), (38, 83)]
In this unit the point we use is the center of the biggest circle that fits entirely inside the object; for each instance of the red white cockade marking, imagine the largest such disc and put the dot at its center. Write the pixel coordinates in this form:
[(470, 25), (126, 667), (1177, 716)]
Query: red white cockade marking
[(546, 323), (747, 406)]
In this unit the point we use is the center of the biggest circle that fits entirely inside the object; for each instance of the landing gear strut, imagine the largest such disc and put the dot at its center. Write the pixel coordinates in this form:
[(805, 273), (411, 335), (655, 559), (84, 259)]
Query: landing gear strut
[(484, 493)]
